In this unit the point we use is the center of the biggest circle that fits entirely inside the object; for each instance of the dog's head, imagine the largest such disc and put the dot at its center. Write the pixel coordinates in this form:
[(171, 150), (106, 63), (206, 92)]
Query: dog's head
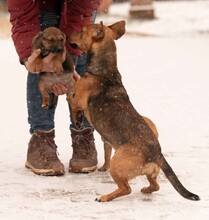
[(51, 40), (96, 33)]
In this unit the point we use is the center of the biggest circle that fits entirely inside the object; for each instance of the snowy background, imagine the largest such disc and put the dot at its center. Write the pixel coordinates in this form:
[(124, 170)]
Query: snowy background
[(165, 68)]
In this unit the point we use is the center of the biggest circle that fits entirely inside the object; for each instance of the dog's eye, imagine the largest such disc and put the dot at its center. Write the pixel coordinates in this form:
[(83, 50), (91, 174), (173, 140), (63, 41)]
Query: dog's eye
[(48, 39)]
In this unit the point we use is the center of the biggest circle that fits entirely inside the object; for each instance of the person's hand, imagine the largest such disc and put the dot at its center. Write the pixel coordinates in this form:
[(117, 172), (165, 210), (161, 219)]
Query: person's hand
[(48, 65), (60, 89)]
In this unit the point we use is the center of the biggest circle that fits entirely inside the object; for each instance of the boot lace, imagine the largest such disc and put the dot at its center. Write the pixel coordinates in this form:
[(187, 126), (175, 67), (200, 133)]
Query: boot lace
[(82, 146), (48, 147)]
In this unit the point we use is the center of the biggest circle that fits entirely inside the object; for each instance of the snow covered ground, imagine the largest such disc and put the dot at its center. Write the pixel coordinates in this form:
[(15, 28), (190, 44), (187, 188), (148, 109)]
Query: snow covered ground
[(166, 77)]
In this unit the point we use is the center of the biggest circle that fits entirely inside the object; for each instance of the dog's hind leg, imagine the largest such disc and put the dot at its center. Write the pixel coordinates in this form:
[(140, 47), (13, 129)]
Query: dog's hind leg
[(45, 96), (55, 99), (152, 178), (107, 156), (45, 101), (124, 166), (123, 189)]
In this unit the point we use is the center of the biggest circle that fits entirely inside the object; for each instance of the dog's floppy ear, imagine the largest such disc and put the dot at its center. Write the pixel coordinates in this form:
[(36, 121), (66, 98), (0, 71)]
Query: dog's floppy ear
[(64, 37), (99, 33), (118, 29), (37, 40)]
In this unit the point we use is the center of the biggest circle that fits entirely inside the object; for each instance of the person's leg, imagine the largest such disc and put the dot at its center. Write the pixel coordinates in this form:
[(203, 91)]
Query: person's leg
[(38, 118), (42, 151)]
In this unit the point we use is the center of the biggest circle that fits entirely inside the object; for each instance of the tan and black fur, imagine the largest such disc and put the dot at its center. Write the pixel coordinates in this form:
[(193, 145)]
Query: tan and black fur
[(108, 147), (102, 96)]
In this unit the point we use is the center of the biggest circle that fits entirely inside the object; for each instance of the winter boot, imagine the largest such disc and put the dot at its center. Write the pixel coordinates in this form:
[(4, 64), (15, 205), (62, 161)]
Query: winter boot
[(84, 159), (42, 154)]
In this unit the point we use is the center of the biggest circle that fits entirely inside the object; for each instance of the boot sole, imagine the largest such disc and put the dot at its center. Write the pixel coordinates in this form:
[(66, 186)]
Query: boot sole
[(44, 172), (83, 170)]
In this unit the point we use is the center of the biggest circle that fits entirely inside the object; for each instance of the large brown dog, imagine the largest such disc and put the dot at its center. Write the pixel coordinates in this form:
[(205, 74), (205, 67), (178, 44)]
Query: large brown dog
[(102, 96), (52, 40)]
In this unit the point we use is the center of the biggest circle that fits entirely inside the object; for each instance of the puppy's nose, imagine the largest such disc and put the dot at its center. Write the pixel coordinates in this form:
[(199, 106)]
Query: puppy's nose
[(58, 50)]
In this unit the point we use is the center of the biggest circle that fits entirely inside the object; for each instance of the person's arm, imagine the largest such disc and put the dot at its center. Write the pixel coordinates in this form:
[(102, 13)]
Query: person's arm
[(24, 17)]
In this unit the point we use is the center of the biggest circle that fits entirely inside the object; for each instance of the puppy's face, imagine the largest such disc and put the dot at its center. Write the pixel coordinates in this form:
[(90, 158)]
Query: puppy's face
[(51, 40), (95, 33)]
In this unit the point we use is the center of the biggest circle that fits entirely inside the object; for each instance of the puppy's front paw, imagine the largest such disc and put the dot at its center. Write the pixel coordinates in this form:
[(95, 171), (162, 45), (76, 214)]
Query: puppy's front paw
[(37, 68), (37, 65), (58, 69)]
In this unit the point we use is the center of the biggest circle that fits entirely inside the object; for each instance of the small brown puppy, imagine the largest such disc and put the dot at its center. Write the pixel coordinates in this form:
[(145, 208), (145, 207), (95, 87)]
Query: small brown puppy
[(51, 40), (102, 96)]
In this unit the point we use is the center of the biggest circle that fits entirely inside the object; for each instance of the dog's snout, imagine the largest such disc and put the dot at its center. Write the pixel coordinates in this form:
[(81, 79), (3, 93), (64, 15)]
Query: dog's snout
[(59, 50)]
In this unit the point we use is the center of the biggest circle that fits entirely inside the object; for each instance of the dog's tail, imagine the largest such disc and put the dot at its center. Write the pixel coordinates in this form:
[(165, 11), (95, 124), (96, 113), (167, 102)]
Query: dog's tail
[(169, 173)]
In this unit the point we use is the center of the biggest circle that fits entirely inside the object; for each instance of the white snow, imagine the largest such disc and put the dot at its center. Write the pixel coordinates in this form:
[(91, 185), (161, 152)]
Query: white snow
[(166, 77)]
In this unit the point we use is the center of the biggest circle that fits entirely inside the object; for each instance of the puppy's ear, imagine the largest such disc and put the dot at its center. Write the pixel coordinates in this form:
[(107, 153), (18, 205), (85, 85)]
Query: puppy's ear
[(64, 37), (99, 33), (118, 29), (37, 40)]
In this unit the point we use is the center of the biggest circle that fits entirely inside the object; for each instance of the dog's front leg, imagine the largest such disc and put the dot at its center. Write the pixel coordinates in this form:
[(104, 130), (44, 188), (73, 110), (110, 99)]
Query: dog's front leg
[(57, 60), (38, 64), (78, 118), (77, 113)]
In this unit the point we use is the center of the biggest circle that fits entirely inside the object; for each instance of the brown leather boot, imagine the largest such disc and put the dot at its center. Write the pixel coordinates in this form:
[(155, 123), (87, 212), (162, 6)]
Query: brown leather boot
[(42, 154), (84, 159)]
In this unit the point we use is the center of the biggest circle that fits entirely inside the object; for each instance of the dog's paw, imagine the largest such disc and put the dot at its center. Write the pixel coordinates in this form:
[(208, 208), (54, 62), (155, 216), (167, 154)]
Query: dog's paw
[(79, 119), (150, 189), (44, 106), (102, 199), (37, 68), (103, 168), (58, 69), (98, 200), (37, 65)]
